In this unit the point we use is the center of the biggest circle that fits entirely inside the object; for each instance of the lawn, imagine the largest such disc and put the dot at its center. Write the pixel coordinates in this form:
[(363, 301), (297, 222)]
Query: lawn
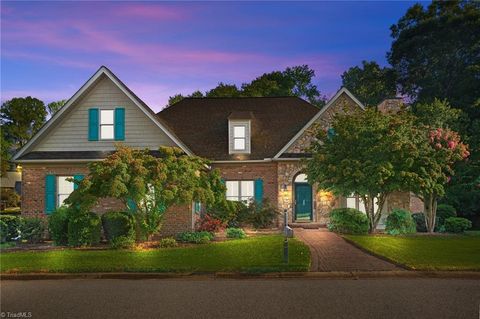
[(256, 254), (449, 252)]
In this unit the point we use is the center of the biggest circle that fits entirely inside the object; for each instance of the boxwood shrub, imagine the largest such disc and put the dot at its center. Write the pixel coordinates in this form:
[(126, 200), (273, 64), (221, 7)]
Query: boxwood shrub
[(348, 221), (84, 229), (32, 229), (419, 220), (195, 237), (116, 224), (457, 224), (233, 232), (58, 225), (444, 211), (400, 222), (11, 229)]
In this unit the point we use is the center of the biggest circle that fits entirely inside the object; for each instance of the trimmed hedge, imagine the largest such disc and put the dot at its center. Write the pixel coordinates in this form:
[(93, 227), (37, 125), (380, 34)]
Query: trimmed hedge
[(235, 233), (457, 224), (168, 242), (117, 224), (400, 222), (32, 229), (348, 221), (58, 225), (84, 230), (10, 228), (195, 237)]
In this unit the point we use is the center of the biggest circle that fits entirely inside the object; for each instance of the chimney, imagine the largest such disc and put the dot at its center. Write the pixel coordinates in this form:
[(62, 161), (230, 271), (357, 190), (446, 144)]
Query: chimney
[(391, 105)]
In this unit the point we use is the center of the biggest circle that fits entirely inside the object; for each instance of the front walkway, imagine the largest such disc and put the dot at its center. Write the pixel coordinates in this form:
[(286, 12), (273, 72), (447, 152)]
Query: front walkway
[(330, 252)]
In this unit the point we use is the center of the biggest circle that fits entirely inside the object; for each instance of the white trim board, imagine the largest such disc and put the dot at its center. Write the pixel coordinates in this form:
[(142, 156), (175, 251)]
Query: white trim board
[(316, 116), (101, 71)]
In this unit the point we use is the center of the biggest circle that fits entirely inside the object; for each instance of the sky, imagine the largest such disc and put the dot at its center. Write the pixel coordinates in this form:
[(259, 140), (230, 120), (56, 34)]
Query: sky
[(49, 49)]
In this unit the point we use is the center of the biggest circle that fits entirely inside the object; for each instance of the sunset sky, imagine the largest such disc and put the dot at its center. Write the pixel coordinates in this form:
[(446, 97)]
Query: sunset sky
[(49, 49)]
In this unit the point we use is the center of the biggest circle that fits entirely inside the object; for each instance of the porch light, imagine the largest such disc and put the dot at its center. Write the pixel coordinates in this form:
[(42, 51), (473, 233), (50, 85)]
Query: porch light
[(284, 187)]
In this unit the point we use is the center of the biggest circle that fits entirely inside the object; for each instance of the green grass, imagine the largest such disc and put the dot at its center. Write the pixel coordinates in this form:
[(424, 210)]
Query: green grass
[(6, 245), (257, 254), (449, 252)]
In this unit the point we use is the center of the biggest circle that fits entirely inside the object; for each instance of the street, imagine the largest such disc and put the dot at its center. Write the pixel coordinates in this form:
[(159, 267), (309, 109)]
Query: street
[(248, 298)]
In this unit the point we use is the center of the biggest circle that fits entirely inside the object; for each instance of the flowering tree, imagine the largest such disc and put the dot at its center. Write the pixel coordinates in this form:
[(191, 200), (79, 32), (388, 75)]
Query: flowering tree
[(438, 150), (369, 154), (148, 184)]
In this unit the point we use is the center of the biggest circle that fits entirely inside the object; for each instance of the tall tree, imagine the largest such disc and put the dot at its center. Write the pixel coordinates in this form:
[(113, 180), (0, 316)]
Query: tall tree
[(370, 83), (5, 153), (436, 53), (21, 118), (224, 90), (53, 107), (367, 155)]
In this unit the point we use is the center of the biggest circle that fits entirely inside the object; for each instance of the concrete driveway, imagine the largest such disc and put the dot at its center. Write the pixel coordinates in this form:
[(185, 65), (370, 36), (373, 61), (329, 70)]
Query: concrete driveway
[(220, 298), (329, 252)]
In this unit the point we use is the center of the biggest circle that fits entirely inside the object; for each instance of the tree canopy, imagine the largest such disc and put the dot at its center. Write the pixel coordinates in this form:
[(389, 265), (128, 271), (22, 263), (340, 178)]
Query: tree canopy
[(21, 118), (148, 184), (53, 107), (370, 83), (293, 81)]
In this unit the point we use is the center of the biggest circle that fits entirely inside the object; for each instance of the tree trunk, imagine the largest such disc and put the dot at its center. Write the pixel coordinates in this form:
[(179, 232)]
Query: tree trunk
[(373, 216), (430, 211)]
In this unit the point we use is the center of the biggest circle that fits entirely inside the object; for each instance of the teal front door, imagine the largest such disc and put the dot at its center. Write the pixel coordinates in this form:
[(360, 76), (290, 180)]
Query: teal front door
[(303, 201)]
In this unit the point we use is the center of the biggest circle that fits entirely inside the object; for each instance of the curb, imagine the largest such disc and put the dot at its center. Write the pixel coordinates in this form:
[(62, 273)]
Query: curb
[(236, 276)]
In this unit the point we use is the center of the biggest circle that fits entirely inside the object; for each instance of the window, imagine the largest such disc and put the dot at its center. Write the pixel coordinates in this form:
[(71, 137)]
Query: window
[(64, 189), (239, 137), (106, 124), (356, 202), (240, 191)]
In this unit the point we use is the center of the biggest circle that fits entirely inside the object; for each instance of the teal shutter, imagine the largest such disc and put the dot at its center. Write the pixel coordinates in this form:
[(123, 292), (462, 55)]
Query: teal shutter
[(259, 190), (93, 124), (78, 177), (119, 124), (330, 133), (198, 207), (50, 191), (131, 205)]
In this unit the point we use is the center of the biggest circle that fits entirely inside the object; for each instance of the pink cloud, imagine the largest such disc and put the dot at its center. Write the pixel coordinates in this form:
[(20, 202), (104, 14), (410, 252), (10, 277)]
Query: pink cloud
[(150, 11)]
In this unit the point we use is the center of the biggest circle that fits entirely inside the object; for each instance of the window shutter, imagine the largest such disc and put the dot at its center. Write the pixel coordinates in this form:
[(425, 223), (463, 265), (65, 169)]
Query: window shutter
[(131, 205), (93, 124), (119, 124), (198, 207), (330, 133), (78, 178), (50, 190), (259, 190)]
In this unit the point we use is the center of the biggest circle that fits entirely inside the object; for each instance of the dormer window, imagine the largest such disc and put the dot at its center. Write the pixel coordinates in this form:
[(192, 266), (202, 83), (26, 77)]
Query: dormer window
[(239, 136), (106, 124)]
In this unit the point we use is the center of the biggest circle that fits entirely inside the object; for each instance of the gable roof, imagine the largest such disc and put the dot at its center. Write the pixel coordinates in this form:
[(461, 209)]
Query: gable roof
[(202, 123), (90, 82), (343, 90)]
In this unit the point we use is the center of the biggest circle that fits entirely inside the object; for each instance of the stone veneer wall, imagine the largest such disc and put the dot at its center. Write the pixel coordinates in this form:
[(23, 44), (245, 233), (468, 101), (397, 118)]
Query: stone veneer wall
[(324, 202), (177, 218)]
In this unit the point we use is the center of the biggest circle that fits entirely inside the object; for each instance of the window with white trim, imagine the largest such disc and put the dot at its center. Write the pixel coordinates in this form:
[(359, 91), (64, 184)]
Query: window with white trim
[(354, 201), (240, 191), (64, 189), (239, 136), (107, 124)]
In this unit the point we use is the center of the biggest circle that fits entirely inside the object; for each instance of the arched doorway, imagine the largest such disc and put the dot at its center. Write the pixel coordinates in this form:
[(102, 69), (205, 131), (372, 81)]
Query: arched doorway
[(303, 198)]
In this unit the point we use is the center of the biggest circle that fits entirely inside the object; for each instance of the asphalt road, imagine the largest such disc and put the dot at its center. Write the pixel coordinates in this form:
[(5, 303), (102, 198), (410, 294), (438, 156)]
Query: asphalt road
[(266, 298)]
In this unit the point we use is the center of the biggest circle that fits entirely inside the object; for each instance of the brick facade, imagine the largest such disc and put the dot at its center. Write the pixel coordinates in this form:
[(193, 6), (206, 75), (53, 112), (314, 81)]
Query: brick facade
[(177, 218)]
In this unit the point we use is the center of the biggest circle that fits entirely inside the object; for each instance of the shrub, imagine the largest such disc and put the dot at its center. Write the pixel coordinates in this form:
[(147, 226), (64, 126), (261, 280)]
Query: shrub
[(399, 222), (12, 227), (457, 224), (10, 197), (348, 221), (260, 215), (445, 211), (209, 223), (3, 231), (419, 220), (58, 225), (84, 229), (122, 242), (195, 237), (235, 233), (118, 224), (32, 229), (226, 211), (167, 242)]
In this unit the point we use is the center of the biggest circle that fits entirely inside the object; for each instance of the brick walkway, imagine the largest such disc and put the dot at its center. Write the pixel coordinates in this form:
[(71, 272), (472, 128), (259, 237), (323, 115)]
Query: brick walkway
[(331, 253)]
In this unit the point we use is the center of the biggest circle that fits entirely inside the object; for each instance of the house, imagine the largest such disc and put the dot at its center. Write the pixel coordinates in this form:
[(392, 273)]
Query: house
[(257, 144)]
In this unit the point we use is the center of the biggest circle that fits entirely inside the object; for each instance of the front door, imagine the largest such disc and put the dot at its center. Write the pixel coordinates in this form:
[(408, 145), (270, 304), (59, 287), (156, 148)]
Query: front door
[(303, 201)]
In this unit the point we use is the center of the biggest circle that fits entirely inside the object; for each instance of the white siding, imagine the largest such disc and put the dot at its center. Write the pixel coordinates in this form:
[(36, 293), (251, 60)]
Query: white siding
[(71, 132)]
